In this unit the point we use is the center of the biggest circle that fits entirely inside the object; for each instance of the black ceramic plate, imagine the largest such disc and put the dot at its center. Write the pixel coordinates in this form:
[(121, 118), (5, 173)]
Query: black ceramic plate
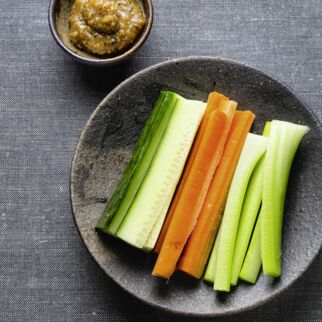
[(105, 147)]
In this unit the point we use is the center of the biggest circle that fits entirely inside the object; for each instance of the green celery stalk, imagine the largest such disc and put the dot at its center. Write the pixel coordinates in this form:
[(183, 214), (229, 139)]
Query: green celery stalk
[(249, 214), (282, 145), (253, 150), (212, 263), (253, 262), (247, 220)]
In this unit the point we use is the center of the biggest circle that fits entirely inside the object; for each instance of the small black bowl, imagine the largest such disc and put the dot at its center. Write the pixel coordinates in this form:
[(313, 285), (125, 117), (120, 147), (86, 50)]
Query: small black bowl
[(58, 16)]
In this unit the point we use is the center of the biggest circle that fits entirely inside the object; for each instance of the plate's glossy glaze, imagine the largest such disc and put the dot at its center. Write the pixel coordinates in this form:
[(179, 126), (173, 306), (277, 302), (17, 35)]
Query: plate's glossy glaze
[(105, 146)]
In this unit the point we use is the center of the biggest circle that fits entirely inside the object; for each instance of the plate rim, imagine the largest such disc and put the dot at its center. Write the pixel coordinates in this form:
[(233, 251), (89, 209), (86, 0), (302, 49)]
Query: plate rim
[(163, 308)]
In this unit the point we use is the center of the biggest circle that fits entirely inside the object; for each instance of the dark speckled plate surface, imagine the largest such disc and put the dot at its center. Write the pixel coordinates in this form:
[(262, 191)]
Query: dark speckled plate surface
[(106, 144)]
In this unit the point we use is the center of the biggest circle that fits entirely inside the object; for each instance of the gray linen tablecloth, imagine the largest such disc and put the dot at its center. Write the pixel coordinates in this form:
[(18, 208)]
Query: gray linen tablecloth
[(46, 274)]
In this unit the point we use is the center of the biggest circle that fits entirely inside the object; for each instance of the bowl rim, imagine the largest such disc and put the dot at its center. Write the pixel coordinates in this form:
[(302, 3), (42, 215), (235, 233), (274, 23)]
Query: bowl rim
[(101, 61), (163, 308)]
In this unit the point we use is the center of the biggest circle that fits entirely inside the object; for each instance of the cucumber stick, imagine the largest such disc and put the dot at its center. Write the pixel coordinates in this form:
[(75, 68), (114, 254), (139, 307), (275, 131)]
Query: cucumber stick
[(140, 161), (254, 148), (155, 231), (212, 263), (251, 205), (163, 175), (157, 132), (253, 262), (283, 142)]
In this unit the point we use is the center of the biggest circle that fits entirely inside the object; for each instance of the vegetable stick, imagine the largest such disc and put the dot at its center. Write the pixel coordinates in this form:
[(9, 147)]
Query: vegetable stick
[(253, 150), (163, 174), (188, 207), (138, 165), (211, 267), (253, 262), (283, 142), (198, 247), (247, 220), (214, 101), (251, 205)]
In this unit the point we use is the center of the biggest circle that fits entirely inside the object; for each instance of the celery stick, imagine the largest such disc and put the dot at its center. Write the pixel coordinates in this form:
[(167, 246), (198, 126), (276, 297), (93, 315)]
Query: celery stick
[(253, 150), (267, 128), (211, 267), (247, 220), (249, 213), (283, 142), (253, 262)]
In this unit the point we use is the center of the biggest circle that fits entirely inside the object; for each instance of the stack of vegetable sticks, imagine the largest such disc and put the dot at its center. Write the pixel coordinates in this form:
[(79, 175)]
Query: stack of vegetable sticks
[(214, 100), (201, 189), (198, 247), (195, 186), (257, 241)]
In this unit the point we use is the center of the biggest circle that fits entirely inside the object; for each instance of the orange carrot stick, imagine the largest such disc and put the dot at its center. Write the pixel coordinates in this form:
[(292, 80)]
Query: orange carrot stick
[(214, 101), (195, 188), (198, 247)]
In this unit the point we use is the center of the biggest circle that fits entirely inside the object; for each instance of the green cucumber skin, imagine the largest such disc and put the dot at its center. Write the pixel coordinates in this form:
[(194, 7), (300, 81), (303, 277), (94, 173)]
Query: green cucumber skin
[(253, 262), (253, 150), (163, 176), (138, 153), (142, 168), (283, 143)]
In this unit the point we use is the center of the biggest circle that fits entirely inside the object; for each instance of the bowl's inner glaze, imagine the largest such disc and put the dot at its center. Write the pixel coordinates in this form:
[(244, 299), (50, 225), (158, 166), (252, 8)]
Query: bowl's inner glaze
[(105, 147)]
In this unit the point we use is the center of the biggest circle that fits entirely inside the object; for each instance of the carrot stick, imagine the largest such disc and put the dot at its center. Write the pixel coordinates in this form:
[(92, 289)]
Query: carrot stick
[(214, 100), (195, 188), (198, 247)]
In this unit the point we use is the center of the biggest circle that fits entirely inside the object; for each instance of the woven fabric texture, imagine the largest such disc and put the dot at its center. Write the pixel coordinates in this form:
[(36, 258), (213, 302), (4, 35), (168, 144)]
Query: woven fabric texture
[(46, 274)]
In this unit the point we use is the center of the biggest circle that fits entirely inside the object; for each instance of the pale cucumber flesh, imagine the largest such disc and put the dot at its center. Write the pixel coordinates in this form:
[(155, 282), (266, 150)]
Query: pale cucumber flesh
[(155, 231), (163, 174)]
